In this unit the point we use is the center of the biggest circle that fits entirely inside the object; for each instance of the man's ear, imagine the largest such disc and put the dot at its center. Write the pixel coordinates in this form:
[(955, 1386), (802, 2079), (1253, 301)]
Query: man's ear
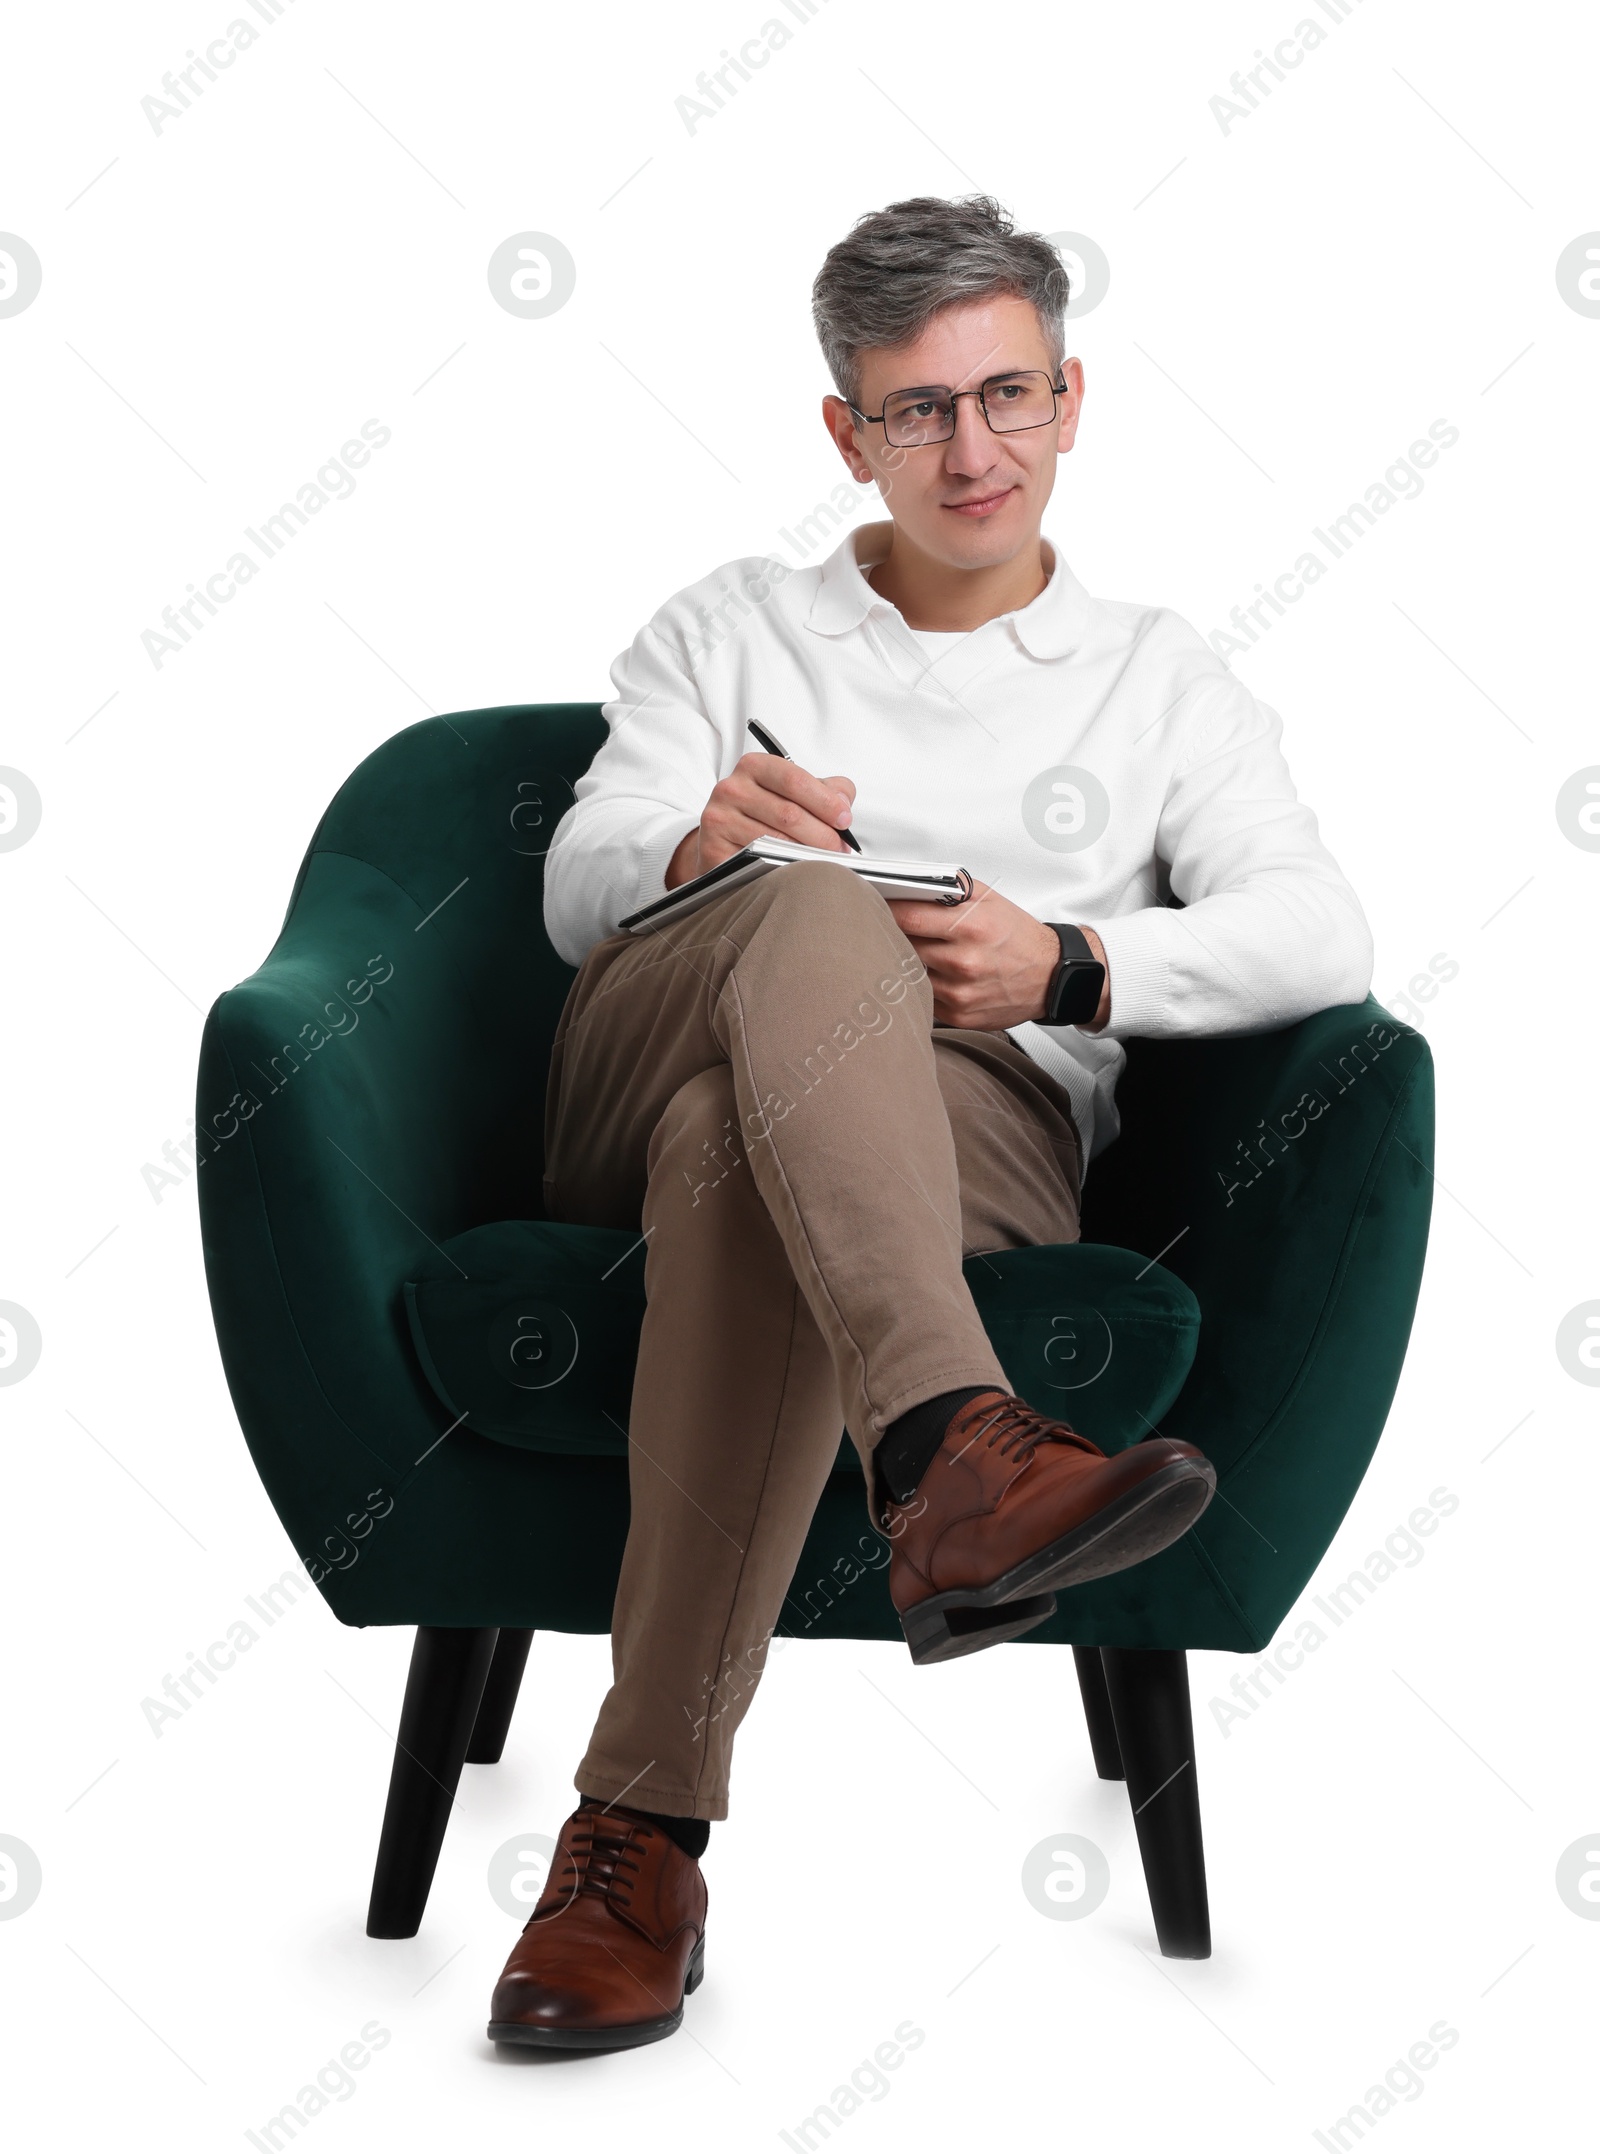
[(1071, 405), (837, 419)]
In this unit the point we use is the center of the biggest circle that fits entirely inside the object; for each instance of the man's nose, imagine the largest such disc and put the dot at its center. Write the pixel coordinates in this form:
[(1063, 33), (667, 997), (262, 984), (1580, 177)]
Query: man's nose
[(970, 449)]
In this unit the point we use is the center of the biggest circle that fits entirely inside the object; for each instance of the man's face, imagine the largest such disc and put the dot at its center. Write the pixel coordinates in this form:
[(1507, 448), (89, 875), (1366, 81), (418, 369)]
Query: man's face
[(978, 499)]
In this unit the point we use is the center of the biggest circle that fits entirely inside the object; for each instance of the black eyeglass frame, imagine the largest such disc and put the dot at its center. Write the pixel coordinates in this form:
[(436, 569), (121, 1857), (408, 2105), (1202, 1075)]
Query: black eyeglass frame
[(1058, 391)]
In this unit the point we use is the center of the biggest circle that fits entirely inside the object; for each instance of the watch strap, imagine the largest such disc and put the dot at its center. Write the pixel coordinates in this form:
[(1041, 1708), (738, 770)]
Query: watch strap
[(1074, 944)]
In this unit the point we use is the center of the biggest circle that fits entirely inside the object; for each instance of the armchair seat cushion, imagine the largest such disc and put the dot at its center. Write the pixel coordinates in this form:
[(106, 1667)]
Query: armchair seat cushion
[(527, 1332)]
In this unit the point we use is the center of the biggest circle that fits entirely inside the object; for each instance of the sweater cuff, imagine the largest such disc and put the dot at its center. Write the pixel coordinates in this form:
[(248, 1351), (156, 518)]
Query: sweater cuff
[(1140, 968), (655, 856)]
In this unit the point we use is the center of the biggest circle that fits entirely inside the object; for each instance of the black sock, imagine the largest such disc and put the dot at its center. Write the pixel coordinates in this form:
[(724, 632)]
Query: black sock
[(691, 1833), (905, 1450)]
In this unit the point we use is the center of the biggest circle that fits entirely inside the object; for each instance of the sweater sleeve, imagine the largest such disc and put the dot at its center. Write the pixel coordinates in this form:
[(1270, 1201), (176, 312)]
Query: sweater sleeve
[(1268, 930), (645, 790)]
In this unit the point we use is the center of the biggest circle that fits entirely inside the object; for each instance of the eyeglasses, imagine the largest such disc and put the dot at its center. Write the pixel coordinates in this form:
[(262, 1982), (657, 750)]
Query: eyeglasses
[(1010, 403)]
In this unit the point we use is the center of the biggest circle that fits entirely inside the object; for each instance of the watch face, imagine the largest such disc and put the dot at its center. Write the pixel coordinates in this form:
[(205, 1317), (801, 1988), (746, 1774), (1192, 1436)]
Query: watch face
[(1077, 994)]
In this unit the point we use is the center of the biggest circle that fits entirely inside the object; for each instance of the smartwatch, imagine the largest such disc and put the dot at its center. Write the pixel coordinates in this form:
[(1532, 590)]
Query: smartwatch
[(1076, 985)]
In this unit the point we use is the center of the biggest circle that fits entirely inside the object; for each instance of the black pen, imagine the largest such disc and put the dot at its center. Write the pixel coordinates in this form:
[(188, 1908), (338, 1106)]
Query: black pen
[(774, 746)]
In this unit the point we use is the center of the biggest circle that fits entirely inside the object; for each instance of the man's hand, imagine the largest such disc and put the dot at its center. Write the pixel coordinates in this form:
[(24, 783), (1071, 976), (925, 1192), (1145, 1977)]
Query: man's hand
[(765, 797), (989, 961)]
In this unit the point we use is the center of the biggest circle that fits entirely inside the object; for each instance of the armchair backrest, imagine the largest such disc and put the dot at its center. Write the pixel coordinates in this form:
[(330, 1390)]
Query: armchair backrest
[(458, 811)]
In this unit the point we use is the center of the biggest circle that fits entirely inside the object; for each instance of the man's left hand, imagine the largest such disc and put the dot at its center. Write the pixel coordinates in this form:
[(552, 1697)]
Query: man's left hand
[(989, 962)]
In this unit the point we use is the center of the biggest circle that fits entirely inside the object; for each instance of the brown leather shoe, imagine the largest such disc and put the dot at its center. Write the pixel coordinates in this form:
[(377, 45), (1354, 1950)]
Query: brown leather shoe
[(1014, 1505), (615, 1942)]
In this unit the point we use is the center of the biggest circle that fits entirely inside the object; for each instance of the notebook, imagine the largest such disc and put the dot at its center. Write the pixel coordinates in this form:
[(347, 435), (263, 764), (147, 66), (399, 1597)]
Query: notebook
[(935, 882)]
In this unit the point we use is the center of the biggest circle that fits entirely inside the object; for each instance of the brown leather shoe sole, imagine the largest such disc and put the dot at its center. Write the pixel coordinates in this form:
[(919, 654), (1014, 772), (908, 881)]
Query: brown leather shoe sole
[(528, 2034), (1149, 1517)]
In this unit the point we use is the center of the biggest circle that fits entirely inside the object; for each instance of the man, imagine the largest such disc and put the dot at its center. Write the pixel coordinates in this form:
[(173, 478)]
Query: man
[(813, 1102)]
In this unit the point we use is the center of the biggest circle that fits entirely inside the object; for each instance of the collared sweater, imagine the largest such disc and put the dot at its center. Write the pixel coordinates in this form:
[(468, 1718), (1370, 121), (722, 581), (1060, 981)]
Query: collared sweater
[(1091, 759)]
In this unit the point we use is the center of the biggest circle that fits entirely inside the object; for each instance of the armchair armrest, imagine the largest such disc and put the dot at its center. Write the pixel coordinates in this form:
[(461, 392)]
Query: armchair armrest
[(342, 1130), (1286, 1177)]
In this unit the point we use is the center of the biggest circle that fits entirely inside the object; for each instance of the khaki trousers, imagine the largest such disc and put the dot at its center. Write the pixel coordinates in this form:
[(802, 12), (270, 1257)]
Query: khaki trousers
[(761, 1090)]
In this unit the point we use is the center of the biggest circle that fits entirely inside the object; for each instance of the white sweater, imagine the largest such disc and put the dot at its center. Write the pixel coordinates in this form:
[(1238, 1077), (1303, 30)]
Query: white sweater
[(1093, 760)]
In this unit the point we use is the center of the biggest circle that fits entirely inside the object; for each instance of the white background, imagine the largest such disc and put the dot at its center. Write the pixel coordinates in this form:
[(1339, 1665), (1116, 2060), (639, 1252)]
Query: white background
[(1291, 304)]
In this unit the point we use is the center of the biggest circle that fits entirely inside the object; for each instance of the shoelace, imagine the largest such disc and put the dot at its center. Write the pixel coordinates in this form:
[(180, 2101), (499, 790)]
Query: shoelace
[(1015, 1426), (600, 1859)]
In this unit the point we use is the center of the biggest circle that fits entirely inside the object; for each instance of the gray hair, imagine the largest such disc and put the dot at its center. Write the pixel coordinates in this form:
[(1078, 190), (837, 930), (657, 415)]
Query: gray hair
[(902, 265)]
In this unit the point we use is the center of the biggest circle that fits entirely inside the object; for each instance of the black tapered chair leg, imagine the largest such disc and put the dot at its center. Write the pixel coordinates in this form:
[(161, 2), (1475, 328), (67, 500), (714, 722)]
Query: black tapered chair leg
[(499, 1698), (443, 1692), (1149, 1693), (1097, 1711)]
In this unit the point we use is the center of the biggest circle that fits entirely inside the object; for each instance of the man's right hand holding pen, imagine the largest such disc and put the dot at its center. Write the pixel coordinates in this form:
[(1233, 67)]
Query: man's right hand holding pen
[(764, 796)]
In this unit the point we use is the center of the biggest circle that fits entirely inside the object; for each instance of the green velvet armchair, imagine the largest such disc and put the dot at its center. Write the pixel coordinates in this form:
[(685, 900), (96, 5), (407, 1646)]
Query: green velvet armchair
[(430, 1375)]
